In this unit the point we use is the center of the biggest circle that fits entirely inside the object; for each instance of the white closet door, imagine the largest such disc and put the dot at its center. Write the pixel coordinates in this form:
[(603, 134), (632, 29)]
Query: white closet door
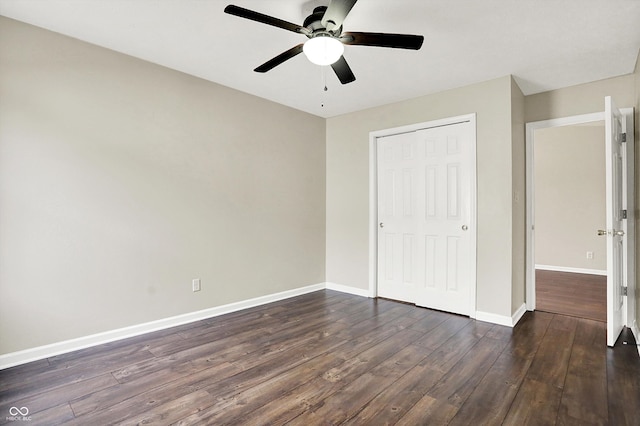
[(424, 208), (398, 184), (446, 233)]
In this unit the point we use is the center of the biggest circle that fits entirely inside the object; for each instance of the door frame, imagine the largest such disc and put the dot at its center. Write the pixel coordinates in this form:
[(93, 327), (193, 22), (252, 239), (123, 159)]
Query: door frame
[(628, 189), (373, 197)]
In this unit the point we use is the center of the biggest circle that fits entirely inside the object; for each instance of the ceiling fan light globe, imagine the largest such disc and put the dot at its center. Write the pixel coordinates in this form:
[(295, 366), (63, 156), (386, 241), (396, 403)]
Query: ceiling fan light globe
[(323, 50)]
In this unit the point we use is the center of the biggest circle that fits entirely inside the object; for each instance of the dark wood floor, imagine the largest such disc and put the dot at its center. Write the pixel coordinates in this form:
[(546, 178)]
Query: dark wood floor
[(333, 358), (578, 295)]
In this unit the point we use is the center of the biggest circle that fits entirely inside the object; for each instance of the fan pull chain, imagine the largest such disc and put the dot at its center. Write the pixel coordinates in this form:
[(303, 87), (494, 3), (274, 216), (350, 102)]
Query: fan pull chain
[(324, 78), (324, 83)]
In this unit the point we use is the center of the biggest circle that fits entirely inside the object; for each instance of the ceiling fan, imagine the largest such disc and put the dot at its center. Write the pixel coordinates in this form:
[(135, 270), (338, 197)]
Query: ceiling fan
[(326, 41)]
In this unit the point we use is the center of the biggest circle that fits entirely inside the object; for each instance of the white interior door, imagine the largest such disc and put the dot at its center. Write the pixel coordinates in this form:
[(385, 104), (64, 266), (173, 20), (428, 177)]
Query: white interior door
[(426, 249), (398, 178), (446, 234), (614, 232)]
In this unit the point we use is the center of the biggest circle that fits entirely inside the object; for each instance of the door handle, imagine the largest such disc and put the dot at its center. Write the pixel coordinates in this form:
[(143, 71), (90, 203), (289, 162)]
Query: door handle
[(619, 233), (465, 227), (381, 225)]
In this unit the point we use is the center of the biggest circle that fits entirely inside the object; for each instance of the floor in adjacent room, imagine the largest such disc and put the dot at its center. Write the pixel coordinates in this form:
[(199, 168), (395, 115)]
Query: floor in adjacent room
[(333, 358), (567, 293)]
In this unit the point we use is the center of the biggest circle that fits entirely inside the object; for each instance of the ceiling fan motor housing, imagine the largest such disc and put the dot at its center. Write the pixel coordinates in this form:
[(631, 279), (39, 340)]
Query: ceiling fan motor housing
[(313, 22)]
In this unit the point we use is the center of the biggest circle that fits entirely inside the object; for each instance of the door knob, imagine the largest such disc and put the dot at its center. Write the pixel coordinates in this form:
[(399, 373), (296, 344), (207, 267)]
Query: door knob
[(465, 227), (381, 225), (602, 232), (618, 233)]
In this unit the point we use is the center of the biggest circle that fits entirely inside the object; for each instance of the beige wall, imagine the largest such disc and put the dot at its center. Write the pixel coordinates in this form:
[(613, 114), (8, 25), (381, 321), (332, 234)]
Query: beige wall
[(348, 184), (518, 250), (581, 99), (569, 176), (121, 181), (588, 98)]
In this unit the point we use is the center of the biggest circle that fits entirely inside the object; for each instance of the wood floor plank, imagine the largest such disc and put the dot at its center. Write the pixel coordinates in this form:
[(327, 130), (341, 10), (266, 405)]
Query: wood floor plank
[(551, 361), (274, 369), (434, 336), (358, 360), (102, 400), (380, 317), (455, 347), (52, 416), (59, 376), (579, 403), (528, 334), (371, 357), (584, 399), (623, 380), (389, 406), (249, 333), (173, 410), (10, 375), (458, 383), (333, 358), (431, 320), (43, 401), (146, 399), (428, 411), (536, 403), (538, 398), (293, 351), (230, 410), (490, 401), (247, 379), (348, 401)]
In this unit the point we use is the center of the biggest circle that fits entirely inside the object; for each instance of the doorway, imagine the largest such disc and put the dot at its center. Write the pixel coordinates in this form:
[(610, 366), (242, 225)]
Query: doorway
[(570, 200), (620, 209)]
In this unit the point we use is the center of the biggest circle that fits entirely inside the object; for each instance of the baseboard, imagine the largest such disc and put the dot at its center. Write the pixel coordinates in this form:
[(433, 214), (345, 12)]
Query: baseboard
[(502, 319), (41, 352), (517, 315), (570, 269), (493, 318), (348, 289)]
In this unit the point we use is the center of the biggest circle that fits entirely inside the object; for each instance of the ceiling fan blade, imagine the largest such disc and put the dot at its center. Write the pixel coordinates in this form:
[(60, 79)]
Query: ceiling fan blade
[(343, 71), (284, 56), (336, 12), (397, 41), (265, 19)]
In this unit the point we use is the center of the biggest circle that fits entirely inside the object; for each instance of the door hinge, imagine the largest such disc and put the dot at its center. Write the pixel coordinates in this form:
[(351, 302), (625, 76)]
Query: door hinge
[(623, 137), (624, 291), (624, 214)]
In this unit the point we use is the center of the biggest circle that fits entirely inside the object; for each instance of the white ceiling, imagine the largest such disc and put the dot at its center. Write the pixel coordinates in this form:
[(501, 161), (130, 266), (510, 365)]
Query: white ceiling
[(545, 44)]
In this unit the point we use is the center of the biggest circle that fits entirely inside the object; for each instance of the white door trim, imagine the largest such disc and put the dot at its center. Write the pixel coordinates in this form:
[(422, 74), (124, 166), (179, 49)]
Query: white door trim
[(530, 219), (373, 197)]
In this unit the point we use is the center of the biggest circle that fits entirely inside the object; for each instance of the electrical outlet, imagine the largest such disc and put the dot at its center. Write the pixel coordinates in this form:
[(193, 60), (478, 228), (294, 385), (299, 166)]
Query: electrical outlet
[(195, 284), (589, 255)]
